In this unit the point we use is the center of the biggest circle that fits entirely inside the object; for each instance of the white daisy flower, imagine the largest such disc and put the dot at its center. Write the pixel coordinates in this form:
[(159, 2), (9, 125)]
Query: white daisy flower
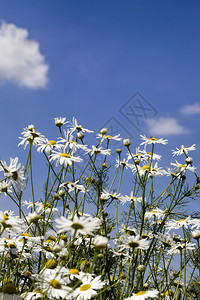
[(74, 126), (181, 168), (89, 287), (73, 186), (68, 141), (9, 222), (47, 145), (156, 212), (54, 287), (134, 242), (99, 150), (15, 172), (184, 150), (5, 187), (176, 224), (152, 171), (141, 295), (105, 195), (79, 225), (64, 158), (150, 155), (108, 137), (181, 246), (131, 198), (60, 121), (152, 140), (30, 136), (125, 163)]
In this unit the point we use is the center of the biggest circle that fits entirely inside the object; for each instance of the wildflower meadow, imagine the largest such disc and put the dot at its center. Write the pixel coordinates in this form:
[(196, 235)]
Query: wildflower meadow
[(84, 237)]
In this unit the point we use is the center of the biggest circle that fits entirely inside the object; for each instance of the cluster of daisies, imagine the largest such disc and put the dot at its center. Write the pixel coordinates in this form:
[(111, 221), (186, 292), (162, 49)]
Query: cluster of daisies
[(73, 244)]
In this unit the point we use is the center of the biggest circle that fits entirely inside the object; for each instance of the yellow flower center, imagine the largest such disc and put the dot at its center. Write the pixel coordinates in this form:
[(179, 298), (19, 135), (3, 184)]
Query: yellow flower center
[(133, 245), (52, 238), (46, 205), (5, 217), (108, 136), (63, 237), (77, 226), (141, 293), (55, 283), (25, 234), (9, 288), (14, 175), (73, 271), (51, 142), (85, 287), (145, 167), (169, 293), (182, 166), (181, 220), (152, 138), (86, 263), (72, 141), (51, 264), (12, 245), (65, 155), (150, 153), (27, 273)]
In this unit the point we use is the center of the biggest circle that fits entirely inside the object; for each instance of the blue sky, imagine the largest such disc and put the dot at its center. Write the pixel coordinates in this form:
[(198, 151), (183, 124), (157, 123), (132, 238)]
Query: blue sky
[(88, 59)]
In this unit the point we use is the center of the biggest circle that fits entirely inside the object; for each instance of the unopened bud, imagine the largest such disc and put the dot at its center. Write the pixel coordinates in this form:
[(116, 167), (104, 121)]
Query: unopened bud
[(104, 131), (80, 135), (188, 160), (119, 151), (126, 142)]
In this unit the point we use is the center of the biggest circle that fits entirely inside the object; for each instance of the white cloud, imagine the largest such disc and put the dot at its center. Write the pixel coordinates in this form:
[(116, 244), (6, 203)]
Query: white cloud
[(165, 127), (20, 58), (191, 109)]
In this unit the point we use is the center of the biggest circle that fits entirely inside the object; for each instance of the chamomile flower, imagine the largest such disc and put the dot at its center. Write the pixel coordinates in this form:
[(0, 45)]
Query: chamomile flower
[(15, 173), (131, 198), (59, 122), (47, 145), (108, 137), (10, 222), (89, 287), (153, 171), (181, 168), (152, 140), (74, 126), (64, 159), (5, 187), (176, 224), (124, 163), (141, 295), (99, 150), (134, 242), (68, 141), (30, 136), (73, 186), (156, 212), (177, 248), (184, 150), (54, 287), (81, 225)]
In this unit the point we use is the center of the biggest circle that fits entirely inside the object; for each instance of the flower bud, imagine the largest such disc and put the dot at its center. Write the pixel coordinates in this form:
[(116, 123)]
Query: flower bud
[(141, 268), (188, 160), (126, 142), (119, 151), (80, 135), (104, 131)]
